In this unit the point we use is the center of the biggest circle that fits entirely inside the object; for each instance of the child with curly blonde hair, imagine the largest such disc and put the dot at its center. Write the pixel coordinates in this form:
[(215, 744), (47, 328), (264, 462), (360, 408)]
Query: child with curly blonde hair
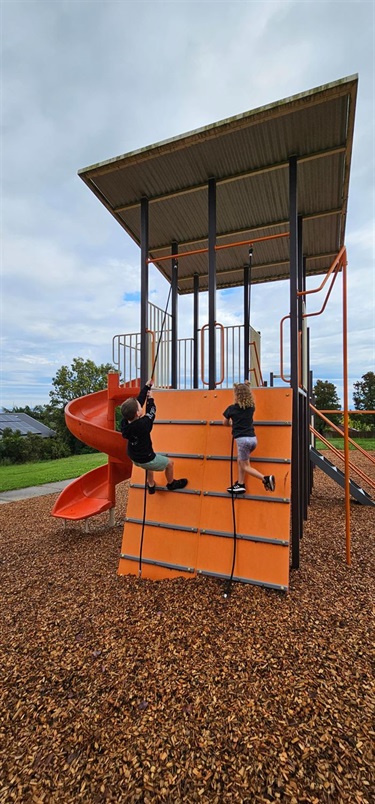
[(240, 415)]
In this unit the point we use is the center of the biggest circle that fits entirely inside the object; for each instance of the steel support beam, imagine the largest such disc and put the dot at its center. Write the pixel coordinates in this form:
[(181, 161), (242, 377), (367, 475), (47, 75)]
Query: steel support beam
[(305, 369), (293, 243), (246, 362), (174, 292), (211, 283), (196, 332), (144, 291), (246, 304), (302, 400)]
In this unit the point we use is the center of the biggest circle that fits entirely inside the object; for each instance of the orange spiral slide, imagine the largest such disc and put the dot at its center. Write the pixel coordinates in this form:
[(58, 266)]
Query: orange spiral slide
[(91, 418)]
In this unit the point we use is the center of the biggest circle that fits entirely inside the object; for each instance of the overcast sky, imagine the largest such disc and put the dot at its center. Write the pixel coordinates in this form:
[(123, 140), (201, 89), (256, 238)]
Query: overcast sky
[(84, 81)]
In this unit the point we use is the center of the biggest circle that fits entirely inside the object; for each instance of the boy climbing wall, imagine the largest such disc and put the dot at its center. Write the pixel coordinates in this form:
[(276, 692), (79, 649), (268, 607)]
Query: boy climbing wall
[(136, 426)]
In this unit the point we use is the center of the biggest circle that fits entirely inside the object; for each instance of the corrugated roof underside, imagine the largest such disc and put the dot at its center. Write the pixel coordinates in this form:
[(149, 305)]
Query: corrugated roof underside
[(249, 158), (306, 131)]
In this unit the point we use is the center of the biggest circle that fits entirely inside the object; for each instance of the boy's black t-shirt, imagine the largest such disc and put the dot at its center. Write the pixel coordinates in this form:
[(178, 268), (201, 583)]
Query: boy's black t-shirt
[(138, 431), (242, 420)]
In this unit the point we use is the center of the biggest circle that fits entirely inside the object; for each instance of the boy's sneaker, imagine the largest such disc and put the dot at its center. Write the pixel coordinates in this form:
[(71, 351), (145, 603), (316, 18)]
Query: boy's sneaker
[(269, 483), (151, 489), (177, 484), (237, 488)]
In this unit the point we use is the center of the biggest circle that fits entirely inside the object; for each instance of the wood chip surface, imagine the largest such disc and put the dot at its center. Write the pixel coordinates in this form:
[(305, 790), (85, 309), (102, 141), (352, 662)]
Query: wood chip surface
[(115, 689)]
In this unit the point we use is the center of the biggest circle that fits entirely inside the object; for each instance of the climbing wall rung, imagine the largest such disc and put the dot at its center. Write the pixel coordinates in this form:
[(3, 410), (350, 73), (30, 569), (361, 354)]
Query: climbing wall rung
[(236, 578)]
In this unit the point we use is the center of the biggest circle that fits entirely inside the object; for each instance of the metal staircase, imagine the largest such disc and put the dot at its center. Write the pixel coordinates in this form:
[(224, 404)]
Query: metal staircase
[(359, 494)]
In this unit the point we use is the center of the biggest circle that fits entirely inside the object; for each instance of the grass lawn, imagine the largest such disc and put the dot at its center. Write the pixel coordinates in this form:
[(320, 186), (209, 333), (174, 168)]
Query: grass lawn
[(21, 475), (366, 443)]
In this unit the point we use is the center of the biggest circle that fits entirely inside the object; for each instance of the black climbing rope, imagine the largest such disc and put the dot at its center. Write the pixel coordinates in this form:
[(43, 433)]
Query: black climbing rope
[(228, 586), (161, 333)]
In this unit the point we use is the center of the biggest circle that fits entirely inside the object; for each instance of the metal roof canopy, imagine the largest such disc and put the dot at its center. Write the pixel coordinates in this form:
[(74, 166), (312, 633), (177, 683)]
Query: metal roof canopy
[(248, 155), (25, 424)]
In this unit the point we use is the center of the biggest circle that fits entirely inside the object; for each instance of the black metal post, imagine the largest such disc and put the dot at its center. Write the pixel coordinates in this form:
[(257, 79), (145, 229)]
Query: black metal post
[(211, 283), (312, 439), (305, 381), (307, 429), (196, 332), (174, 372), (144, 291), (246, 319), (293, 243), (302, 399)]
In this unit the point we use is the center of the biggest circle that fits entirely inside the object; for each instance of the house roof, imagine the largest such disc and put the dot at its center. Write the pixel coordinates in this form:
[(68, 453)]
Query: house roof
[(25, 424), (248, 155)]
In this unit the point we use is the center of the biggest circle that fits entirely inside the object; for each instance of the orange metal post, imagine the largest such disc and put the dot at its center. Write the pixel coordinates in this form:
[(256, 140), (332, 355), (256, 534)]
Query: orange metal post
[(346, 410)]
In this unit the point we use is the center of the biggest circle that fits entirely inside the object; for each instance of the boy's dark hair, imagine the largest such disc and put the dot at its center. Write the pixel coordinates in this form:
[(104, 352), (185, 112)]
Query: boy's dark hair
[(129, 408)]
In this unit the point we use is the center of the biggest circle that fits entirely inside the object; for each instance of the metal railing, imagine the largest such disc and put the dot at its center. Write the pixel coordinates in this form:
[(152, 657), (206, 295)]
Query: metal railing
[(126, 354), (339, 453)]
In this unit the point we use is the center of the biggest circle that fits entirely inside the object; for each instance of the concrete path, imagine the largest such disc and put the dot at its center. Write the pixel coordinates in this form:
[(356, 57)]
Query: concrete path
[(33, 491)]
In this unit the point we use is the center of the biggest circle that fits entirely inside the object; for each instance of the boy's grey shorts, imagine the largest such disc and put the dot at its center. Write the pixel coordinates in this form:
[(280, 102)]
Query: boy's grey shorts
[(245, 446), (158, 464)]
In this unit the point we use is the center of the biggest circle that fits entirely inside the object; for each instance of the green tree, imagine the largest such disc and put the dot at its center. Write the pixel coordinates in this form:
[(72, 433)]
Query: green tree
[(364, 397), (82, 378), (326, 398)]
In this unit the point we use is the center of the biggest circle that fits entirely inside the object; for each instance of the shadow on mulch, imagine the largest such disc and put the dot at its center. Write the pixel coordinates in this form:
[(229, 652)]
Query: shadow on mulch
[(115, 689)]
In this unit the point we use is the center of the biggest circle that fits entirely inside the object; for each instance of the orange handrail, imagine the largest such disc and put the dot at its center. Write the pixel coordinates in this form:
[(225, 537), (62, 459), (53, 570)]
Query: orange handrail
[(205, 326), (282, 349), (319, 312), (336, 262), (335, 265), (340, 262), (354, 412), (340, 432), (222, 353), (355, 469)]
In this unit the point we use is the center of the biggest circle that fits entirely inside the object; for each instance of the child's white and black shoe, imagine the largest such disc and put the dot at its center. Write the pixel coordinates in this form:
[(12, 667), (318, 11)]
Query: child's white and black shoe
[(269, 483), (237, 488)]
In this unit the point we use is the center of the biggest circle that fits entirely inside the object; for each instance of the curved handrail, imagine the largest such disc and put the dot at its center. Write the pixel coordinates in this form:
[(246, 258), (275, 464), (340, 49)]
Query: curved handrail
[(205, 326), (333, 269), (319, 312), (217, 324), (335, 264)]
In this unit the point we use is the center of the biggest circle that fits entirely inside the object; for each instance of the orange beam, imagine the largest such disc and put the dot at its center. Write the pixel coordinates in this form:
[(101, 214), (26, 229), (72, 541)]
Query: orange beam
[(217, 248)]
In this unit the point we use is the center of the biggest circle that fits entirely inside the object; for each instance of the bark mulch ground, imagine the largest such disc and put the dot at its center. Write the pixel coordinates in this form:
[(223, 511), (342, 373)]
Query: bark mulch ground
[(118, 689)]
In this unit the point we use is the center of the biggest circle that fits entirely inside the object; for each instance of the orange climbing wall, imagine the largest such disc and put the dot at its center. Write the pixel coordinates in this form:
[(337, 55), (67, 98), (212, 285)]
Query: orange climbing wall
[(190, 532)]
